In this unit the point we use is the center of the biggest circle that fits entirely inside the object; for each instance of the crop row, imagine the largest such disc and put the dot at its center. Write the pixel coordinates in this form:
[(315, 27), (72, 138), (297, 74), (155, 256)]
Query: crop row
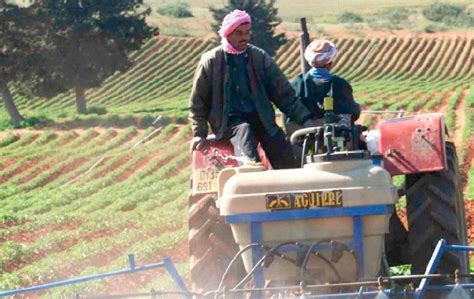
[(93, 204), (163, 69), (19, 201)]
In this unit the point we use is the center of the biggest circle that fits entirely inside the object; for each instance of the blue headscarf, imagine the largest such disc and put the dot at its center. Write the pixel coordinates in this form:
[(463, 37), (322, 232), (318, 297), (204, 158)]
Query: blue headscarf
[(320, 74)]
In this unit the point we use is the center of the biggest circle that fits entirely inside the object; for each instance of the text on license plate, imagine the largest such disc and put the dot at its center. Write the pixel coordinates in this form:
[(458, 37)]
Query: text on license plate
[(205, 180), (304, 200)]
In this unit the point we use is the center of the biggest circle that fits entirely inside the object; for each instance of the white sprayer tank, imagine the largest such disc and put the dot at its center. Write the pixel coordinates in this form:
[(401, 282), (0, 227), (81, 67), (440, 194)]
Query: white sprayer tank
[(347, 183)]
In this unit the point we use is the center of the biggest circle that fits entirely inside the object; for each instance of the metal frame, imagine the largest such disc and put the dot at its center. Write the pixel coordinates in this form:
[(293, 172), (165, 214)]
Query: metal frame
[(167, 263), (422, 289), (256, 235), (433, 265)]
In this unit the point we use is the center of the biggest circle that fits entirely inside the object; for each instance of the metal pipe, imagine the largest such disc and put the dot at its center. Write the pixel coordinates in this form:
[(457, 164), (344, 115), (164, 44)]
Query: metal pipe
[(451, 286), (304, 42), (382, 111), (66, 282), (151, 293), (349, 284), (431, 267), (460, 247)]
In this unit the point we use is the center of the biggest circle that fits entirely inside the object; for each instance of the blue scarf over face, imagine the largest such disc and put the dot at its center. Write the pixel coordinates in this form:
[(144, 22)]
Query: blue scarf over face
[(320, 74)]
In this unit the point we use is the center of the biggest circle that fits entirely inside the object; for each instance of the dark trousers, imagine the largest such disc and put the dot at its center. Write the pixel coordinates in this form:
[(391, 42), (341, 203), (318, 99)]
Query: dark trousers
[(245, 132)]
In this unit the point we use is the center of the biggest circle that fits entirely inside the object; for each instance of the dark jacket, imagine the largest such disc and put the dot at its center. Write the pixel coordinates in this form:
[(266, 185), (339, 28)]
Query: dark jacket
[(267, 82), (312, 95)]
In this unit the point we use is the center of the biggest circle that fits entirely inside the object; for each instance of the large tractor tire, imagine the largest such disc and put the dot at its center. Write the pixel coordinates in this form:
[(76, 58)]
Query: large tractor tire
[(435, 209), (211, 246)]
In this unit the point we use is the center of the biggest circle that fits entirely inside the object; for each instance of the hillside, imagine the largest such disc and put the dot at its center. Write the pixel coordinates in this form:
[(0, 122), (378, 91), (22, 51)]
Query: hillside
[(323, 16), (160, 79), (76, 197)]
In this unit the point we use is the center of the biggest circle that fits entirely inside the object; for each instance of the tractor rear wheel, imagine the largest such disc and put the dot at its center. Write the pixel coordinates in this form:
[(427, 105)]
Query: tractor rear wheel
[(435, 209), (211, 246)]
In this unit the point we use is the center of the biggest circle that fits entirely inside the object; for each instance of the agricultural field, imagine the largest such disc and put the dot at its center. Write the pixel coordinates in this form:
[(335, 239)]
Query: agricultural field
[(80, 194), (322, 16)]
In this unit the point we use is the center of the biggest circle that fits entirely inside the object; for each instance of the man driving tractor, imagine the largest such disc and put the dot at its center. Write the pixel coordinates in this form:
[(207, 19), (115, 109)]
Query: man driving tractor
[(235, 85)]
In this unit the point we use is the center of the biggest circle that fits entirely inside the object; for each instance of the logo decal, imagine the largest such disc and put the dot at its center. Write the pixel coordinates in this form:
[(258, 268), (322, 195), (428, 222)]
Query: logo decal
[(304, 200), (278, 202)]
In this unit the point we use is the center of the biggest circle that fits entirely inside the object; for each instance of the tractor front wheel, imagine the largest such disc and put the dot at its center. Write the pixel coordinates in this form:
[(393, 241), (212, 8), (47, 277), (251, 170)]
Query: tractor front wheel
[(211, 246), (435, 209)]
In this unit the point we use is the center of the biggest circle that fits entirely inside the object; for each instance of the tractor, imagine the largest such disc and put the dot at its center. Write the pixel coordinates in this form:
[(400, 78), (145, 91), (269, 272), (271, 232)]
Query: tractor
[(333, 220), (331, 224)]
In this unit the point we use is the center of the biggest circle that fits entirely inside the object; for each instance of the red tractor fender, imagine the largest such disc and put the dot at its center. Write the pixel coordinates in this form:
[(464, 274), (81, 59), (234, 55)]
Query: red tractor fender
[(212, 157), (413, 144)]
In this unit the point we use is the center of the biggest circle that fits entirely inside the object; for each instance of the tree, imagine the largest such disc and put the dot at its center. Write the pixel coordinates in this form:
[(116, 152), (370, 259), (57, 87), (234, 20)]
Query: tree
[(92, 40), (19, 50), (264, 20)]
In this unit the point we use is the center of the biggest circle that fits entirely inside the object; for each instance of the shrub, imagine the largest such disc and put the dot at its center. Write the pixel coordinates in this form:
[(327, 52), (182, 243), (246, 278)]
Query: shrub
[(96, 110), (432, 28), (349, 17), (176, 10), (449, 14), (39, 120), (436, 12), (146, 121), (175, 30), (396, 18)]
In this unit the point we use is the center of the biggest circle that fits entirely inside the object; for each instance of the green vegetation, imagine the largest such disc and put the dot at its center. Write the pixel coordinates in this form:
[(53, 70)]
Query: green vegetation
[(86, 196), (449, 14), (8, 139), (99, 110), (322, 14), (394, 18), (432, 28), (83, 194), (50, 47), (350, 17), (177, 10), (470, 178)]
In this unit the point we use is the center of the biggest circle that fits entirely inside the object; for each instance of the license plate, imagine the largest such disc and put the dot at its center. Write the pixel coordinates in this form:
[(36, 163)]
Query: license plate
[(304, 200), (205, 180)]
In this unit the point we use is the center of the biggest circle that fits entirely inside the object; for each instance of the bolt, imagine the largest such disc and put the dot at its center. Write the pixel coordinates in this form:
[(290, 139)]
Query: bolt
[(457, 276), (391, 152)]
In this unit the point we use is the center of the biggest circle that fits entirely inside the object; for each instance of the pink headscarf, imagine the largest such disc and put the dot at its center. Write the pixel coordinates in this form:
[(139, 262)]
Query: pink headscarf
[(229, 24)]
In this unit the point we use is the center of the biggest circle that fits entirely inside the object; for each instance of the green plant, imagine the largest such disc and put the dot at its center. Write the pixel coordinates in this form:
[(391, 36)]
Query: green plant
[(26, 122), (449, 14), (146, 120), (433, 28), (175, 31), (437, 12), (8, 139), (320, 30), (99, 110), (401, 270), (92, 45), (350, 17), (9, 219), (176, 10), (395, 18)]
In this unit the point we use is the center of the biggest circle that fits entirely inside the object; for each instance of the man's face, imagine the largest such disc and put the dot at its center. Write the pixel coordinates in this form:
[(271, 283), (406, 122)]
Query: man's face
[(239, 39)]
